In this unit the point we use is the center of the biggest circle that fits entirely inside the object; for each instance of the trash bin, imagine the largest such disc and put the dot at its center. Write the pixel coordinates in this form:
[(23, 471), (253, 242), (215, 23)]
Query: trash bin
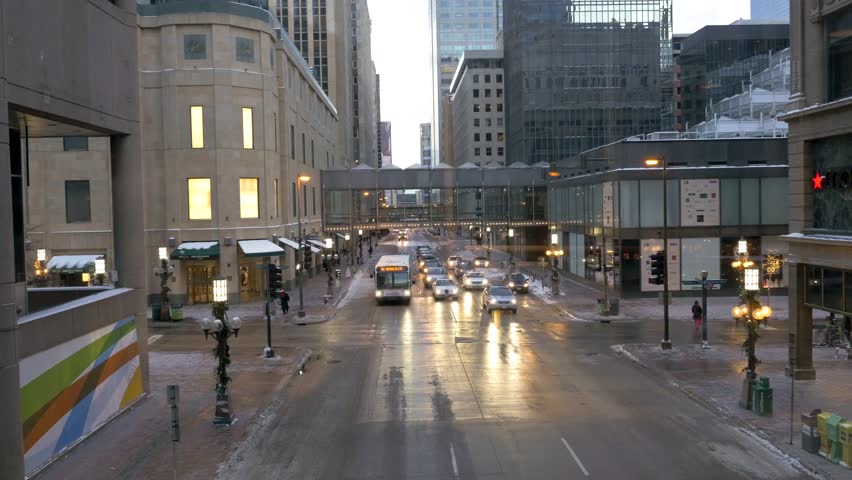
[(810, 434), (822, 428), (846, 444), (176, 312), (613, 306), (155, 312), (761, 398), (835, 449)]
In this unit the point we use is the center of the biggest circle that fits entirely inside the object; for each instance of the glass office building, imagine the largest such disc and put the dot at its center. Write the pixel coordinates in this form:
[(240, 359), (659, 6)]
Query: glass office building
[(609, 211), (584, 73), (770, 10)]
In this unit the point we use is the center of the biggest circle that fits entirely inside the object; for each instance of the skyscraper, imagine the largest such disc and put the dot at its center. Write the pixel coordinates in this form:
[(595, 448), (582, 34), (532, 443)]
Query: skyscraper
[(584, 73), (385, 140), (770, 10), (425, 144), (456, 26)]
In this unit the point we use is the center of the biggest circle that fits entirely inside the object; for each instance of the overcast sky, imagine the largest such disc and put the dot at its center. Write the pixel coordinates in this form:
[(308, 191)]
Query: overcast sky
[(402, 53)]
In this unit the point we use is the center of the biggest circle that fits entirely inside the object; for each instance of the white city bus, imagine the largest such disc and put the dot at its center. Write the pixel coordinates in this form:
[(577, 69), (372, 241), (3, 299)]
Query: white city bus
[(393, 281)]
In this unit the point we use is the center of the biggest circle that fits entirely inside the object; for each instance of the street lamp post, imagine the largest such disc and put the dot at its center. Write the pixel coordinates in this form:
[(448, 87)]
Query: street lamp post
[(300, 259), (553, 254), (221, 328), (666, 343), (164, 272)]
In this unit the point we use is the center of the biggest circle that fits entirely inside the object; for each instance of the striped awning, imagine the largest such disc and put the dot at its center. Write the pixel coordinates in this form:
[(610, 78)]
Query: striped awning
[(72, 263)]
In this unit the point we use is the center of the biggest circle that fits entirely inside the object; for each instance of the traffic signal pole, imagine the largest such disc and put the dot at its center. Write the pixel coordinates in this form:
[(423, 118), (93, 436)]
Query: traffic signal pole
[(273, 284)]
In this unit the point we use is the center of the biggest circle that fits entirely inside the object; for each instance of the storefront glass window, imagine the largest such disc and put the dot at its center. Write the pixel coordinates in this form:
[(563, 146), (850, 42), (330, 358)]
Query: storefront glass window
[(699, 254), (832, 194), (729, 190), (813, 294), (750, 201), (673, 201), (596, 201), (832, 289), (774, 201), (651, 202), (629, 203)]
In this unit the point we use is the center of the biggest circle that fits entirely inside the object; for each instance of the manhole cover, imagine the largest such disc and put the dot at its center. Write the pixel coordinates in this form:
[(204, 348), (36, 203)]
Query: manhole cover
[(332, 362)]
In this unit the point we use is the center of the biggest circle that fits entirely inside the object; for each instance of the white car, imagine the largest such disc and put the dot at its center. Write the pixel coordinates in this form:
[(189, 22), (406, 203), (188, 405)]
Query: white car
[(474, 279), (445, 288), (452, 261), (499, 297)]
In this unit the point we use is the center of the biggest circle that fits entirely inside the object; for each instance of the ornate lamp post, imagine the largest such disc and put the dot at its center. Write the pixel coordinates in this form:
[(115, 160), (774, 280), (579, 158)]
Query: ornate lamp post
[(751, 312), (553, 254), (221, 328), (40, 267), (164, 272), (666, 344), (100, 270), (299, 272)]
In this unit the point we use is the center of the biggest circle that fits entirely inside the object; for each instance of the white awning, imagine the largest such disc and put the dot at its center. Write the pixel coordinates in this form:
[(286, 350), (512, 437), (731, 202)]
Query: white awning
[(260, 248), (72, 263), (342, 236), (313, 248), (315, 243), (289, 243)]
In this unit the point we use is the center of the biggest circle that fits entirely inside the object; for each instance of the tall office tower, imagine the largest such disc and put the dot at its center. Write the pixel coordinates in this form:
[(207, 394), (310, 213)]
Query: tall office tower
[(770, 10), (425, 144), (456, 26), (584, 73), (716, 61), (365, 119), (386, 142)]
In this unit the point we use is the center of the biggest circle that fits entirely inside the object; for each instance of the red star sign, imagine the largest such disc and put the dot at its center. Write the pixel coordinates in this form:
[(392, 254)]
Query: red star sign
[(817, 181)]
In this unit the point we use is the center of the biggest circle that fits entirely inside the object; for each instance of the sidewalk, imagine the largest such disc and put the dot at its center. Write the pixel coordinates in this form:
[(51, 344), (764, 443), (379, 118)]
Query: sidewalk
[(713, 378)]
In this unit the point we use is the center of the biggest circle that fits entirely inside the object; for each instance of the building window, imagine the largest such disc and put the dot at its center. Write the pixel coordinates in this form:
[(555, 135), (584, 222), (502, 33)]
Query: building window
[(196, 126), (487, 78), (249, 198), (304, 149), (75, 144), (476, 79), (313, 160), (499, 136), (314, 192), (275, 129), (499, 93), (292, 142), (475, 108), (475, 122), (487, 93), (487, 122), (499, 107), (277, 198), (476, 152), (475, 137), (839, 36), (200, 199), (248, 129), (475, 93), (500, 122), (245, 50), (499, 151), (293, 200), (499, 78), (487, 107), (194, 46), (77, 202), (488, 151), (488, 136)]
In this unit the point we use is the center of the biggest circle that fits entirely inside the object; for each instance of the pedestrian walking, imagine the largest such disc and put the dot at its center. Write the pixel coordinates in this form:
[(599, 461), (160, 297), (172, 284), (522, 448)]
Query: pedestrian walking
[(285, 302), (697, 312), (370, 251)]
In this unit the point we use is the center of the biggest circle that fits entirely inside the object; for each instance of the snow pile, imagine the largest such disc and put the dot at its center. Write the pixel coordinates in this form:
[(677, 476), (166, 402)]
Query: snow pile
[(538, 290)]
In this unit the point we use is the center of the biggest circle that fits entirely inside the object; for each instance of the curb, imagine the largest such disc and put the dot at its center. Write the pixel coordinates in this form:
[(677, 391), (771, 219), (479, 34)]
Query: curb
[(726, 414)]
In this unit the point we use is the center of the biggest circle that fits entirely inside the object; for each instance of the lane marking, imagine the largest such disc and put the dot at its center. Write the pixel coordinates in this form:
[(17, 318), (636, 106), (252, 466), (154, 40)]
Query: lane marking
[(455, 465), (154, 338), (576, 458)]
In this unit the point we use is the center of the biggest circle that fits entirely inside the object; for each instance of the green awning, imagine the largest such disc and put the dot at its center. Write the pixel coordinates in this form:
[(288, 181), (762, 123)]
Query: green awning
[(72, 263), (196, 251), (260, 248)]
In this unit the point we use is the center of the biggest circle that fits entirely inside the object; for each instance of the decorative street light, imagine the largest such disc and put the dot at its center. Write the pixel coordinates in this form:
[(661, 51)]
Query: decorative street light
[(299, 259), (40, 269), (164, 272), (752, 313), (221, 328), (554, 253), (100, 270), (666, 343)]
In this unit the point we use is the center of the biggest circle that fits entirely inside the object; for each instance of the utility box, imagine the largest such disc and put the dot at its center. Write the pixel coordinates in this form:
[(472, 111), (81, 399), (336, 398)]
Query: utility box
[(835, 449), (846, 444), (761, 398), (810, 434), (822, 428)]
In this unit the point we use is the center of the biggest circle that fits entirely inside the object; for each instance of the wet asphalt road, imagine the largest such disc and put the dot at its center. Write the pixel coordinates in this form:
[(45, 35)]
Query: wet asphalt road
[(441, 390)]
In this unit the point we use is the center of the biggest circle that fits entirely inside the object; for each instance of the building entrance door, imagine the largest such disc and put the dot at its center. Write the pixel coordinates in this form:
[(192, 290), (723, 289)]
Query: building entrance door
[(199, 283)]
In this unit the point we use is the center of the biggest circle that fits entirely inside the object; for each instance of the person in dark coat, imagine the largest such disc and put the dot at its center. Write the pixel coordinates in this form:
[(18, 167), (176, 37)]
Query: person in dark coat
[(285, 302), (697, 311)]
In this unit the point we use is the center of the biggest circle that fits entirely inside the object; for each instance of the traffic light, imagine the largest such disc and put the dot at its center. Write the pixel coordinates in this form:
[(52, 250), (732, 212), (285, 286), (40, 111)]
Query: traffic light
[(275, 282), (658, 268)]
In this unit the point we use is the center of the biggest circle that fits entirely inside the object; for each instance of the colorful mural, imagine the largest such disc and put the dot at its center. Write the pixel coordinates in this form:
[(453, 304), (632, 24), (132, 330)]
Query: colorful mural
[(73, 388)]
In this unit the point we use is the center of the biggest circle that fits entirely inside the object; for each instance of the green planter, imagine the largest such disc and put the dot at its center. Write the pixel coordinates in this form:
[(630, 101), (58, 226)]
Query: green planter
[(155, 312)]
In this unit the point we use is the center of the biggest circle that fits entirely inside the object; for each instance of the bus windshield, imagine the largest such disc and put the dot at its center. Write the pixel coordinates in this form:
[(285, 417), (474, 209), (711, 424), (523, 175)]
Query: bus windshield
[(391, 280)]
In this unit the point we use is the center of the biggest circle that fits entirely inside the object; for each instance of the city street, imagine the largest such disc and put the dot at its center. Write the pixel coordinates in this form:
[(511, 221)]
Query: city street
[(443, 390)]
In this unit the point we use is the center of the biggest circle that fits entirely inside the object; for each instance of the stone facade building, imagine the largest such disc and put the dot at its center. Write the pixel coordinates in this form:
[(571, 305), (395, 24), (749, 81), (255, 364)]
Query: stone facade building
[(477, 96)]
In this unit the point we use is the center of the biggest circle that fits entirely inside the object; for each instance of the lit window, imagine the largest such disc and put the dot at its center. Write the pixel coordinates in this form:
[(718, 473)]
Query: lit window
[(200, 201), (248, 198), (196, 118), (248, 129)]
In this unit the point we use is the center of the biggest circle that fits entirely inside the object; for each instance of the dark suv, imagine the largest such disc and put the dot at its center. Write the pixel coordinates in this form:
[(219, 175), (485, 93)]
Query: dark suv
[(517, 282)]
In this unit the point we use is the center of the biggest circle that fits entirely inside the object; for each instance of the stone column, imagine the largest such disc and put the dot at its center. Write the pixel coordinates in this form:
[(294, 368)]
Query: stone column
[(11, 435), (801, 322)]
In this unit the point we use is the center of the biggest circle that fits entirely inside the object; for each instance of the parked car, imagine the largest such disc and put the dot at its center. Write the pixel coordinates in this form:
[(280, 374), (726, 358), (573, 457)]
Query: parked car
[(452, 260), (434, 273), (517, 282), (445, 288), (481, 262), (474, 279), (499, 297)]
